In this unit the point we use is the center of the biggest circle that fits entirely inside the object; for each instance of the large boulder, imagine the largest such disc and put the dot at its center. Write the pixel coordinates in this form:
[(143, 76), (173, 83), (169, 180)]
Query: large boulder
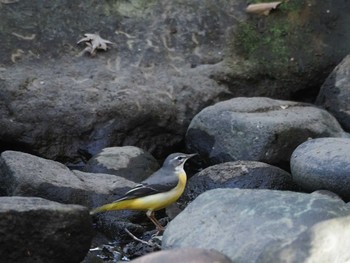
[(257, 129), (136, 93), (241, 222), (323, 164), (334, 94), (325, 242), (170, 60), (37, 230)]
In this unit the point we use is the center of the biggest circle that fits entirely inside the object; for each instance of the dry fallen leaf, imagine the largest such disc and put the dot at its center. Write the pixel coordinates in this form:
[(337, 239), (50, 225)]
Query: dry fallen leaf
[(262, 8), (94, 42)]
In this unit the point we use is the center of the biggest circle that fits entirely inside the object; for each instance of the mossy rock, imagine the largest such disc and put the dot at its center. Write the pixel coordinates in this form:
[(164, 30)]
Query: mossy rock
[(298, 43)]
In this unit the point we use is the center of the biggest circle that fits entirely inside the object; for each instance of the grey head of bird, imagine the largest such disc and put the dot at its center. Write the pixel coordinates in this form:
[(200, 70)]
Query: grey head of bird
[(177, 160)]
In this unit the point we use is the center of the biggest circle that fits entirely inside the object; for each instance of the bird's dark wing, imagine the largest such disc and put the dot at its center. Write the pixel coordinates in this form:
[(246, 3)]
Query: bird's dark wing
[(159, 182)]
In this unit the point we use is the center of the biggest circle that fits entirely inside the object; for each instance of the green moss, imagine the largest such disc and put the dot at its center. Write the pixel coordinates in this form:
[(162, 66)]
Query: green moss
[(291, 6), (272, 41)]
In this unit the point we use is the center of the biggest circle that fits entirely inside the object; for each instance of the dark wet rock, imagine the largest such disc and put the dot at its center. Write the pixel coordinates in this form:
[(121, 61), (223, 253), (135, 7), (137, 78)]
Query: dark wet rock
[(22, 174), (188, 255), (241, 222), (37, 230), (83, 114), (335, 93), (137, 93), (323, 164), (239, 174), (257, 129), (170, 60), (129, 162), (91, 109), (327, 241), (28, 175)]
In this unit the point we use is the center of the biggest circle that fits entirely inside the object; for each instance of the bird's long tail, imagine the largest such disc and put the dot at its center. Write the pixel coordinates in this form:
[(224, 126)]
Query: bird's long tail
[(120, 205)]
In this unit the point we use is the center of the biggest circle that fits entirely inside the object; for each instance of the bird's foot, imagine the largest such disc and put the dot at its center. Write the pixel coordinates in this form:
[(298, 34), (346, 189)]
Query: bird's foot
[(159, 232), (160, 228)]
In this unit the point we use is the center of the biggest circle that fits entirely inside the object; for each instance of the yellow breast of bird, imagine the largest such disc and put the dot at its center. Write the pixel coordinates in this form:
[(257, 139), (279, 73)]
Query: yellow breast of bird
[(158, 201)]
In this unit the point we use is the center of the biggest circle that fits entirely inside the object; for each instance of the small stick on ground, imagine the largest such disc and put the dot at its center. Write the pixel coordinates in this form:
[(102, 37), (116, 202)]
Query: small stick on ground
[(149, 242)]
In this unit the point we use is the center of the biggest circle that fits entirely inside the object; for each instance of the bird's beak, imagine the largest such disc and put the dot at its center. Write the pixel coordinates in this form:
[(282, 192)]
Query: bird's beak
[(191, 155)]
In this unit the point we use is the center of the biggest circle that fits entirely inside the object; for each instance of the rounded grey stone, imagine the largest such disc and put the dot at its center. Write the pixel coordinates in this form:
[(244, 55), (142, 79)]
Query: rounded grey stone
[(238, 174), (257, 129), (323, 164), (241, 222)]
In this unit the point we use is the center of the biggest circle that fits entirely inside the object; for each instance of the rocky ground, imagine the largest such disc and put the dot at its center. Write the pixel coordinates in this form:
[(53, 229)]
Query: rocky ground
[(263, 100)]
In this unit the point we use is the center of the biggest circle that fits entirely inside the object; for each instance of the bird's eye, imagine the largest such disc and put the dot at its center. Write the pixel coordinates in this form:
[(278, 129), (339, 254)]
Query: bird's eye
[(180, 158)]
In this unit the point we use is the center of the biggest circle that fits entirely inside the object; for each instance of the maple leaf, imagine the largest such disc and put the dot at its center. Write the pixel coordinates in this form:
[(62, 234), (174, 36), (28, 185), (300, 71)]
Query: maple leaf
[(94, 42)]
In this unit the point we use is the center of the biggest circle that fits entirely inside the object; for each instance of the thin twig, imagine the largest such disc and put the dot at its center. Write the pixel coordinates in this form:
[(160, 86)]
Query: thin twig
[(149, 242)]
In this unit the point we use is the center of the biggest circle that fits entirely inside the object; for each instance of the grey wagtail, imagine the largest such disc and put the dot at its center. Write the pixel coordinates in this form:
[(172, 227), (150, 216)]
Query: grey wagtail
[(158, 191)]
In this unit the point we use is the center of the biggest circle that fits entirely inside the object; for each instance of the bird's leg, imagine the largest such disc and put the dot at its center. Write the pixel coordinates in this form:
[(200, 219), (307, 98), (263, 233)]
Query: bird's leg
[(151, 216)]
